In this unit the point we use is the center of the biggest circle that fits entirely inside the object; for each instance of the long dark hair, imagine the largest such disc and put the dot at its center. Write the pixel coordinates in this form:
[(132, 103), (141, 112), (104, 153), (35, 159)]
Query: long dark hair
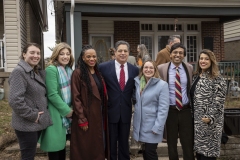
[(84, 76)]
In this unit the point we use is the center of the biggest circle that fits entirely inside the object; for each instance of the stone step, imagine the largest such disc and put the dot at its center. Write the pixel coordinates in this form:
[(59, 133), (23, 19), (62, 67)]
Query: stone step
[(162, 149)]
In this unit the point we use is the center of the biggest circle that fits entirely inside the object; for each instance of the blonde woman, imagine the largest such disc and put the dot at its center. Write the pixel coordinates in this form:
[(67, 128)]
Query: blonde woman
[(151, 109), (58, 78), (208, 93), (143, 54)]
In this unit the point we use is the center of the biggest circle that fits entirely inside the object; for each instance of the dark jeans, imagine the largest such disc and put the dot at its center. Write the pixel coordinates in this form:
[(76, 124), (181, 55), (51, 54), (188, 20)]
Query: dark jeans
[(202, 157), (150, 151), (58, 155), (180, 123), (28, 143)]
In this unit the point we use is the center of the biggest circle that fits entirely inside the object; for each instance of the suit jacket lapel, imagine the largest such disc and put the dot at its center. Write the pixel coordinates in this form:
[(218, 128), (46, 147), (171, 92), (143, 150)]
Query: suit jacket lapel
[(129, 74)]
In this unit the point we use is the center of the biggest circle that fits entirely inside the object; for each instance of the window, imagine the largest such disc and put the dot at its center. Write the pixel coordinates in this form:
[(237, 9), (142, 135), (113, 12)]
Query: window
[(169, 27), (192, 48), (148, 41), (146, 27), (192, 27), (101, 44)]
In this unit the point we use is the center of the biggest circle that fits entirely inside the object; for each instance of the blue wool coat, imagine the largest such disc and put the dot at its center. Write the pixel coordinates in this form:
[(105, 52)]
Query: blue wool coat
[(151, 110)]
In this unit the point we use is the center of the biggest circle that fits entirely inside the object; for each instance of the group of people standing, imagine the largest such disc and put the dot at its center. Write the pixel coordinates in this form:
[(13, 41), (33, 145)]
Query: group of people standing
[(92, 105)]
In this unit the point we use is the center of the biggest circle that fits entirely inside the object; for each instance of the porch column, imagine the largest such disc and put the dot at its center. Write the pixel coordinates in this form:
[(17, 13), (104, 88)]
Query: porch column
[(77, 32)]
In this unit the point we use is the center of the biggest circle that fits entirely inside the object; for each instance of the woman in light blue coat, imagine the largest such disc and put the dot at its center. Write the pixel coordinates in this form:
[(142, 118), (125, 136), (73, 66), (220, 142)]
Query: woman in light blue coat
[(151, 109)]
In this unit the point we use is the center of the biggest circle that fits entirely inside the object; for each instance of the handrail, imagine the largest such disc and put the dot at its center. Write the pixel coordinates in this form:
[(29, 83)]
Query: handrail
[(2, 58)]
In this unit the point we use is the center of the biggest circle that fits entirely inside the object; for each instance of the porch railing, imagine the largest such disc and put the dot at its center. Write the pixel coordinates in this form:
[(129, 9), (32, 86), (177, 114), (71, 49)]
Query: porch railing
[(229, 70), (2, 58)]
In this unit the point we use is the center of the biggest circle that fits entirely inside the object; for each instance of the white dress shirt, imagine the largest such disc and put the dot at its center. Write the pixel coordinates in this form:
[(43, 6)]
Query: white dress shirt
[(118, 69)]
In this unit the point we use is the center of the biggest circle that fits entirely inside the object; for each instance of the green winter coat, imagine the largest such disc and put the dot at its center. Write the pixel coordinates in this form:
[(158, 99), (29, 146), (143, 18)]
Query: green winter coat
[(54, 137)]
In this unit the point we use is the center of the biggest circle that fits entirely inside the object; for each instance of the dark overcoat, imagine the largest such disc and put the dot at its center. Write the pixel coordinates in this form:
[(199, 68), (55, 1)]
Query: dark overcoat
[(90, 144)]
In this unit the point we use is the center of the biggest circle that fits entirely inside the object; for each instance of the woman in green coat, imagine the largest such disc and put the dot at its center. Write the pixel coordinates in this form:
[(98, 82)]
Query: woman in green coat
[(58, 78)]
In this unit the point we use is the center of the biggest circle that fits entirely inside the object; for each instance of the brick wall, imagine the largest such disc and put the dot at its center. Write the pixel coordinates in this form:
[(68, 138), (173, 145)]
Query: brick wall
[(85, 32), (128, 31), (215, 30)]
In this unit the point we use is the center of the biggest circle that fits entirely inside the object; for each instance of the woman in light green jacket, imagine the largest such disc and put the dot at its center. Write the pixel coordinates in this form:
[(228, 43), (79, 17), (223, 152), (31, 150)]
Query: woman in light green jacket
[(58, 78)]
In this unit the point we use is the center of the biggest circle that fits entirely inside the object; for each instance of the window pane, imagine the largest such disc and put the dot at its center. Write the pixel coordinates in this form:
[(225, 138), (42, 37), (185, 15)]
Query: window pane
[(101, 44)]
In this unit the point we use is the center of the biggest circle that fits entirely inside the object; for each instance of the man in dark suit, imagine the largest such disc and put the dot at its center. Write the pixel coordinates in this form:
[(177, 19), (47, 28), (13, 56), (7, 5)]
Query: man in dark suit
[(179, 122), (119, 77)]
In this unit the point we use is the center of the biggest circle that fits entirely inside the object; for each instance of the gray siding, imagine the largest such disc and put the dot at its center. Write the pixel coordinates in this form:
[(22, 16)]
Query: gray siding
[(1, 20), (232, 31), (11, 33)]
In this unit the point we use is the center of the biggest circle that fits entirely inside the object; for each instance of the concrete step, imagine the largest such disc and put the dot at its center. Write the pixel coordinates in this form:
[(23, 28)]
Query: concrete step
[(162, 150)]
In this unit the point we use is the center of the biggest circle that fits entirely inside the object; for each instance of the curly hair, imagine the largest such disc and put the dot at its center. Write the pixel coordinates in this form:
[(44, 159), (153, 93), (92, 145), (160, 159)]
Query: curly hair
[(84, 76), (213, 70)]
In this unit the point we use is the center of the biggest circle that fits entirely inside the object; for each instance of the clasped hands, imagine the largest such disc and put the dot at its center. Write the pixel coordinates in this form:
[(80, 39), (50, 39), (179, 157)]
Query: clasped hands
[(206, 120)]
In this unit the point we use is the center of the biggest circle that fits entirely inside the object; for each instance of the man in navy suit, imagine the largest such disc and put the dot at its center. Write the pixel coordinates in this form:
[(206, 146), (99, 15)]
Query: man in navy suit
[(119, 77)]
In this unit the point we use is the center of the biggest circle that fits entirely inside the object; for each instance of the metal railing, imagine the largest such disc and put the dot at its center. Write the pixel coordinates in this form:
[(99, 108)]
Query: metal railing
[(229, 70)]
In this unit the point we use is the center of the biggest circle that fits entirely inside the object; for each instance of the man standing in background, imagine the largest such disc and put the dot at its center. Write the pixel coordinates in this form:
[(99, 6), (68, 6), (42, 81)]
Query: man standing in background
[(163, 56)]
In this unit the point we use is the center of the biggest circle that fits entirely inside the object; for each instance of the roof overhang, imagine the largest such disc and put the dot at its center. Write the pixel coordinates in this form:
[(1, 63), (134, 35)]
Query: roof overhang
[(223, 13)]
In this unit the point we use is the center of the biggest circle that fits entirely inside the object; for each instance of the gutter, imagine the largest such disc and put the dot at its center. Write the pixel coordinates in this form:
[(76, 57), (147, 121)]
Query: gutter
[(72, 28)]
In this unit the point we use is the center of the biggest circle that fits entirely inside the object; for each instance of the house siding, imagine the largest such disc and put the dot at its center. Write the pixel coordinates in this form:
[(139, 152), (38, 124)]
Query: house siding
[(1, 20), (11, 31), (100, 27), (232, 31)]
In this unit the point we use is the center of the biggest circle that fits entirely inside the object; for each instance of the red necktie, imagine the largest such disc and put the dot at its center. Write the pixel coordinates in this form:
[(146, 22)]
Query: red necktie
[(122, 78), (178, 90)]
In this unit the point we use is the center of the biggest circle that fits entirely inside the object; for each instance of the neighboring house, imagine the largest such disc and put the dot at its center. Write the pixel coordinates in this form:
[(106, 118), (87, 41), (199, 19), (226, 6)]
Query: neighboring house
[(21, 21), (103, 22), (232, 40)]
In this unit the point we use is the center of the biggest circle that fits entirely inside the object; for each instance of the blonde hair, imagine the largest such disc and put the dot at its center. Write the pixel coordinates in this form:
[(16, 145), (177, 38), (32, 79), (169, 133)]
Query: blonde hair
[(56, 51), (213, 69), (156, 73)]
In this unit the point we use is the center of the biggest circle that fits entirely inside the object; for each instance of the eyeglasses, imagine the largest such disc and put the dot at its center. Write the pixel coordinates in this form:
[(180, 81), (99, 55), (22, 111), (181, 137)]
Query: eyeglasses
[(177, 52)]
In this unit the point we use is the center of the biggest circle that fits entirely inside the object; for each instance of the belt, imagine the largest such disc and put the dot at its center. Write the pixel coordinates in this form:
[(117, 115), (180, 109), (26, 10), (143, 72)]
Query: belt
[(186, 106)]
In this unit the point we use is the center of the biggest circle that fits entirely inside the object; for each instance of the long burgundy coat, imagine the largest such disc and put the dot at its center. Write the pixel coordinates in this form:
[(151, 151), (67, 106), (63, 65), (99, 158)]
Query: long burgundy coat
[(87, 145)]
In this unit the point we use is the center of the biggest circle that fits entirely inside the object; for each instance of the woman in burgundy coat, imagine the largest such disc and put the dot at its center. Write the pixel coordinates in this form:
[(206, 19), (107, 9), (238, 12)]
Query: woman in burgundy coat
[(89, 134)]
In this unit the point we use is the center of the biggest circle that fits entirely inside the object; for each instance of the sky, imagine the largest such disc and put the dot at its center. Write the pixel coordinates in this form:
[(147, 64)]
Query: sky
[(49, 37)]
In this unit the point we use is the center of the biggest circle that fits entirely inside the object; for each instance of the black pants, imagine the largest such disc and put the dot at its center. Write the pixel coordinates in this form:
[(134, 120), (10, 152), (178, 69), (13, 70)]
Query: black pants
[(58, 155), (180, 123), (202, 157), (118, 136), (150, 151), (28, 143)]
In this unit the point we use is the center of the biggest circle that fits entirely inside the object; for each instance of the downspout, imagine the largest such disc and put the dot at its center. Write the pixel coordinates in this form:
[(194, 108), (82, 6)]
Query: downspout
[(72, 28)]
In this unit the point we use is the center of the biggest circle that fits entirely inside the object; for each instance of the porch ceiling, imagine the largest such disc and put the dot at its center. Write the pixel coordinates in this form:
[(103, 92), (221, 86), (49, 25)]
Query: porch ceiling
[(191, 3)]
